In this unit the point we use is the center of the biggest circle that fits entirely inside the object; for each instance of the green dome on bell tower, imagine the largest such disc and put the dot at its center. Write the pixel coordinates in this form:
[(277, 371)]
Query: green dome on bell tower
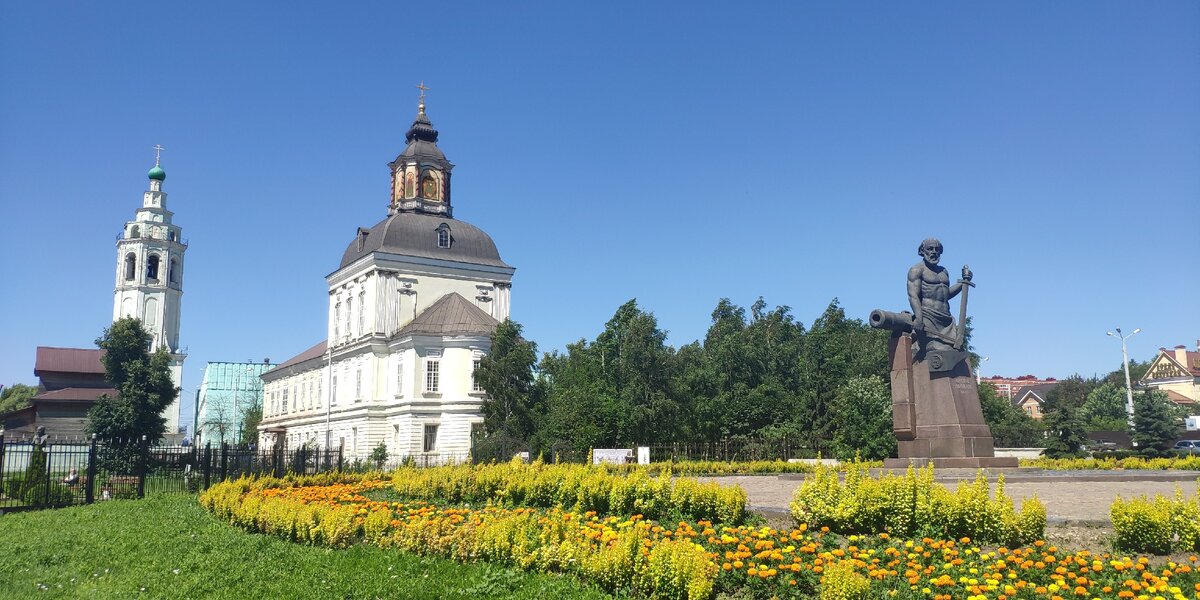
[(157, 173)]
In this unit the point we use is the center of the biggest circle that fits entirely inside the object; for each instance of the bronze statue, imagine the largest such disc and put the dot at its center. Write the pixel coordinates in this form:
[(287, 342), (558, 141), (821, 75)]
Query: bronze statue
[(935, 402)]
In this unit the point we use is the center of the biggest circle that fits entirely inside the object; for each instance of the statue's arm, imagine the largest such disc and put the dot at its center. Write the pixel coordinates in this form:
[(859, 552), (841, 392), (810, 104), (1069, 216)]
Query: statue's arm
[(954, 290), (914, 295), (967, 275)]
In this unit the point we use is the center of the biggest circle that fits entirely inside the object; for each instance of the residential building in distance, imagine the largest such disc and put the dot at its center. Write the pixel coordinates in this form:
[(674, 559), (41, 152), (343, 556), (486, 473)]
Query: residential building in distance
[(1176, 372), (228, 390), (1010, 387), (1031, 399)]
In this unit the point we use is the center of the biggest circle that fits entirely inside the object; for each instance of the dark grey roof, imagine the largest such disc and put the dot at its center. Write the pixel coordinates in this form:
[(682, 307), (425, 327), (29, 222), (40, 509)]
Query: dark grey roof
[(1041, 390), (284, 369), (422, 142), (415, 234), (451, 314)]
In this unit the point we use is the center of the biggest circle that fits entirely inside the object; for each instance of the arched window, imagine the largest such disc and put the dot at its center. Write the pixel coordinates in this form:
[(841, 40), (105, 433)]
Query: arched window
[(429, 188), (130, 266), (337, 321), (362, 321), (410, 185), (152, 267), (173, 274), (443, 236), (349, 312), (133, 231), (150, 314)]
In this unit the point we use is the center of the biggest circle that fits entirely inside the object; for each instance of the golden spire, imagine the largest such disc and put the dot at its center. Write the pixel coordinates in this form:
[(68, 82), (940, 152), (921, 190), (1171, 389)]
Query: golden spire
[(421, 106)]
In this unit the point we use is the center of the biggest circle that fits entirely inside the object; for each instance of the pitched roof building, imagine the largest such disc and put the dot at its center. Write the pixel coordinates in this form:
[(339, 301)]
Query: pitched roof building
[(1176, 372), (70, 380), (411, 309)]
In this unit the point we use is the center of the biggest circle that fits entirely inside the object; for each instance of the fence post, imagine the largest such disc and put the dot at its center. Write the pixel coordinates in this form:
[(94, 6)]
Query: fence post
[(143, 459), (89, 493), (341, 447), (224, 460), (207, 464), (1, 460)]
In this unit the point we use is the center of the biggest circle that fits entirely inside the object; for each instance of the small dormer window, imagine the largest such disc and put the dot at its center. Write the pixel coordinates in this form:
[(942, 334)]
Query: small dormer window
[(443, 236)]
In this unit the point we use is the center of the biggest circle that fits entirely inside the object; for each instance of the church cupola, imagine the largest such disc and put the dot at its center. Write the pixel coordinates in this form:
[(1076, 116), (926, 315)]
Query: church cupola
[(421, 173)]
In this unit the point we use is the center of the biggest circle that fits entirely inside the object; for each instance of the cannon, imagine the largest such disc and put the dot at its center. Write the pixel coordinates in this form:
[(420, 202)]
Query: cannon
[(901, 322)]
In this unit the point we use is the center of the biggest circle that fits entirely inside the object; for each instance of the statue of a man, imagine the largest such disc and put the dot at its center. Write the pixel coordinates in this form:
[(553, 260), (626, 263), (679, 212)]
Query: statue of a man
[(929, 293)]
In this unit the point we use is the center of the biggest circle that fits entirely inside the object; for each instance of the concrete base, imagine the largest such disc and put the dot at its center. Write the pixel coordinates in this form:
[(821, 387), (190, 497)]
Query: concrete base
[(972, 462)]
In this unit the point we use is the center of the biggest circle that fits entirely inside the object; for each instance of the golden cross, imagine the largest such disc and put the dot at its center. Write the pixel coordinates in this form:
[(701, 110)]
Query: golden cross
[(157, 153), (423, 90)]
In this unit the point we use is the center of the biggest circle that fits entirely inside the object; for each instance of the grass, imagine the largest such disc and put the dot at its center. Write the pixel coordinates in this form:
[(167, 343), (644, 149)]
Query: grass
[(166, 546)]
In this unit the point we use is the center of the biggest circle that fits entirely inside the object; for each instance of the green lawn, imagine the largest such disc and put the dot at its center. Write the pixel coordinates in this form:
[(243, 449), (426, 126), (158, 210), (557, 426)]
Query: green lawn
[(166, 546)]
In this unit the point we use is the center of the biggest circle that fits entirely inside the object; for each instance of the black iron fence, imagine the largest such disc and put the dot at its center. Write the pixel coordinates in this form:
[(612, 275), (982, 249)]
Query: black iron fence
[(732, 449)]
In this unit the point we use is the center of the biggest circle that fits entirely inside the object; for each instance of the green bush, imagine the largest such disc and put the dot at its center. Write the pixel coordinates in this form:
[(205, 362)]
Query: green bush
[(1160, 525), (915, 505), (57, 495)]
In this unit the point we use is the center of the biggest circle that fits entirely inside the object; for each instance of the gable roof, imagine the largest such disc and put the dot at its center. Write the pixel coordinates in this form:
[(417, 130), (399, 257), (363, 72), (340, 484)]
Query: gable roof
[(451, 314), (68, 360), (1039, 393), (1178, 398), (76, 394), (1167, 356)]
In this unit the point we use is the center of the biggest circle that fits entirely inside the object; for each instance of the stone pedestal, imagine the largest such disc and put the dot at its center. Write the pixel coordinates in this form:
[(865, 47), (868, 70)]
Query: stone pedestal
[(936, 416)]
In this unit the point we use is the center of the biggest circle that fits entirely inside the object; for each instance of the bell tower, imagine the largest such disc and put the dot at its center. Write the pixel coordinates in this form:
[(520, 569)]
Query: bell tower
[(421, 174), (149, 275)]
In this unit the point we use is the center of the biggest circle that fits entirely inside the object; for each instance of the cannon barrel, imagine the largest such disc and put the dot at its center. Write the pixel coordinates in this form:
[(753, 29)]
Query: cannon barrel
[(901, 322)]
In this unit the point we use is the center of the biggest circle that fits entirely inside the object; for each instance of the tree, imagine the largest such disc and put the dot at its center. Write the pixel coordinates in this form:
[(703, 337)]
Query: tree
[(1104, 409), (379, 455), (513, 394), (1065, 429), (16, 397), (144, 390), (1011, 427), (250, 420), (1153, 421), (862, 419)]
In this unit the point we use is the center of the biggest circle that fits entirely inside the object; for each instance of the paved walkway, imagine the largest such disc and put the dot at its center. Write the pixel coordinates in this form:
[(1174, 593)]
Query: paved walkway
[(1080, 497)]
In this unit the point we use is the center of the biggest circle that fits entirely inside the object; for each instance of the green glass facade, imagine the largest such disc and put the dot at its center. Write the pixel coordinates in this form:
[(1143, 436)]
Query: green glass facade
[(229, 389)]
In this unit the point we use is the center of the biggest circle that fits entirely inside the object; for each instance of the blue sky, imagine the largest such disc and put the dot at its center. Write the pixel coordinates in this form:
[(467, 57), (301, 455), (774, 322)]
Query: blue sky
[(675, 153)]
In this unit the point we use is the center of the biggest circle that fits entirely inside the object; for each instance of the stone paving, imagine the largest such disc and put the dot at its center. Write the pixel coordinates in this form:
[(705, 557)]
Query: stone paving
[(1071, 497)]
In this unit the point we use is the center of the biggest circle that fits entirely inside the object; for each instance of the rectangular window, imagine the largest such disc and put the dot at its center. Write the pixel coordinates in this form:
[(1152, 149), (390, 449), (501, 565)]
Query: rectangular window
[(431, 375), (358, 385), (430, 438), (333, 391), (318, 398), (307, 400), (285, 401), (475, 387), (399, 375)]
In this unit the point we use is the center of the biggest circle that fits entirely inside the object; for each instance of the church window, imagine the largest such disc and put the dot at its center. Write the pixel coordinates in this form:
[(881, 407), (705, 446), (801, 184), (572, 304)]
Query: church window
[(173, 274), (337, 321), (430, 438), (150, 314), (130, 266), (443, 236), (358, 385), (475, 386), (133, 232), (152, 267), (362, 324), (410, 185), (431, 375)]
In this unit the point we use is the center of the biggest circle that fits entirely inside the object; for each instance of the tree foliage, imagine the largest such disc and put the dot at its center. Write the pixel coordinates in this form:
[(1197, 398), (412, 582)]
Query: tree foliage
[(513, 393), (144, 390), (1066, 432), (16, 397), (1104, 409), (1154, 423), (862, 419), (1011, 427), (251, 418)]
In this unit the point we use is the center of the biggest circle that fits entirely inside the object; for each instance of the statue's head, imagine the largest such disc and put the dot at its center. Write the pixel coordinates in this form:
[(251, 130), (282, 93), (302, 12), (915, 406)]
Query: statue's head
[(930, 250), (41, 430)]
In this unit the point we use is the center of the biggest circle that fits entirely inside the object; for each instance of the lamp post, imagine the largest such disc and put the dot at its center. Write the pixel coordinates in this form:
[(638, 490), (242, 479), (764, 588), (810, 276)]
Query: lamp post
[(979, 369), (1125, 361)]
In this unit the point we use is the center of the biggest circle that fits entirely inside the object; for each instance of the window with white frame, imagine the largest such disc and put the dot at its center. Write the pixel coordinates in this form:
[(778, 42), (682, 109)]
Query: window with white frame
[(430, 444), (475, 386), (362, 322), (349, 311), (285, 401), (333, 391), (443, 236), (358, 385), (318, 398), (399, 375), (337, 320), (431, 374)]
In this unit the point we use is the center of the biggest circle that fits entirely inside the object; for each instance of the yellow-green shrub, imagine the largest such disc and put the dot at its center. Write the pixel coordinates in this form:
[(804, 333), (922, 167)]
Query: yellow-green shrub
[(914, 504), (1175, 463), (842, 582), (1160, 526)]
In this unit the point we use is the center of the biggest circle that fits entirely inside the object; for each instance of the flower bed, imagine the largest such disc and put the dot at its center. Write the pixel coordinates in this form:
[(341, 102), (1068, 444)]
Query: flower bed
[(914, 504), (688, 559), (1188, 463)]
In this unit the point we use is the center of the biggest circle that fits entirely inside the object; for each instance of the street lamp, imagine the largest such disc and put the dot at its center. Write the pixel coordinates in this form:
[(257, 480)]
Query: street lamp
[(979, 368), (1125, 360)]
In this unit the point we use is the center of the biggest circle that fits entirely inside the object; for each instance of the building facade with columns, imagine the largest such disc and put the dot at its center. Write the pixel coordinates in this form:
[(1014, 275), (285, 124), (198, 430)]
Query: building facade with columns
[(411, 309)]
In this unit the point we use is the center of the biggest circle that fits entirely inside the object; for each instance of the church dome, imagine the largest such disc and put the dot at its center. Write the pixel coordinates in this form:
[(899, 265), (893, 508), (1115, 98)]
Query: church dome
[(157, 173), (416, 234)]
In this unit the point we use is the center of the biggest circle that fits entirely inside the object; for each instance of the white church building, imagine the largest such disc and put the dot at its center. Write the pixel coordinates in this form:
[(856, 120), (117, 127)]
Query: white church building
[(412, 306)]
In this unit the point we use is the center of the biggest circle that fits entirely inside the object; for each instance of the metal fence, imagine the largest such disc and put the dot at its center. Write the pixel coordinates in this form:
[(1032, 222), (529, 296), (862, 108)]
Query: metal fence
[(731, 449)]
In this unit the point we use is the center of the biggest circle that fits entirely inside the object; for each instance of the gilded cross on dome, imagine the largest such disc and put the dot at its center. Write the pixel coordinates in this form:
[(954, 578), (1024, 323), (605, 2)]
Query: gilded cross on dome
[(157, 153), (421, 106)]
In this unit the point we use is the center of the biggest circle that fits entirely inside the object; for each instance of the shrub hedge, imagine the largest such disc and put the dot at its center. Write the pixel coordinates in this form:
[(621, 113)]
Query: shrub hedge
[(1159, 526)]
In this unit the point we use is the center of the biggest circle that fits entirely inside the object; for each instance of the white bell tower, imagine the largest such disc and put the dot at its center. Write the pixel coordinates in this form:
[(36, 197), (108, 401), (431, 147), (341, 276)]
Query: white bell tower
[(149, 282)]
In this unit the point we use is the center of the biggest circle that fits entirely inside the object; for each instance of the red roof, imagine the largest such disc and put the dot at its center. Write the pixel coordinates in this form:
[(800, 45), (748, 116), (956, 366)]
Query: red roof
[(1178, 398), (68, 360), (78, 394)]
